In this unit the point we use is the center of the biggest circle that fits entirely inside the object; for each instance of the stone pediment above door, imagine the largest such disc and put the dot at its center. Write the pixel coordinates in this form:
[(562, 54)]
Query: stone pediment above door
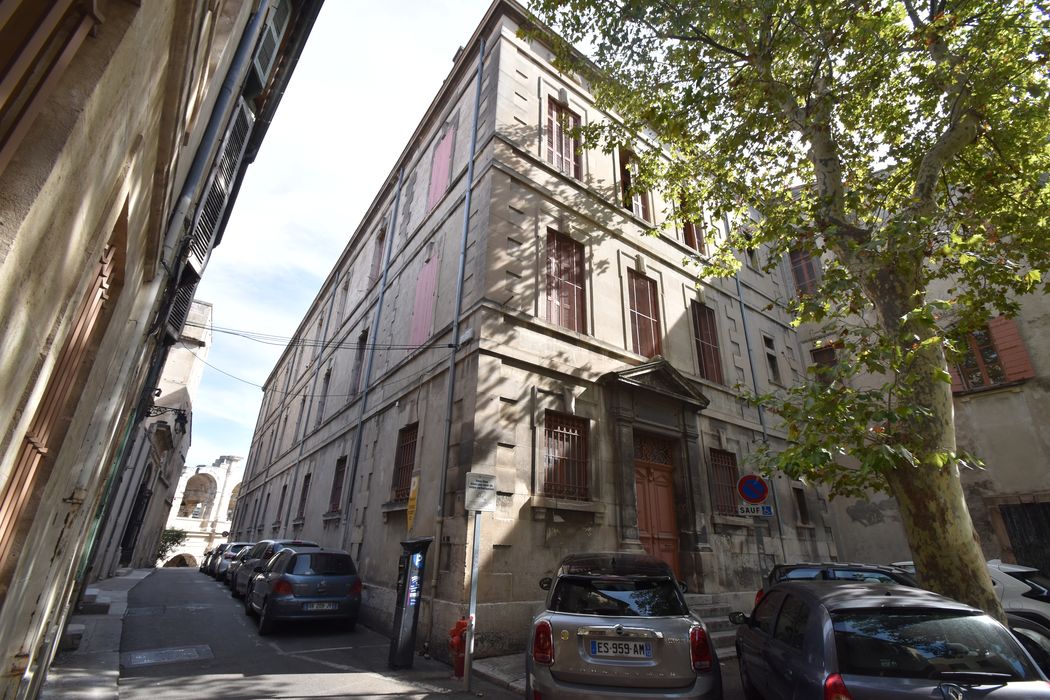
[(658, 376)]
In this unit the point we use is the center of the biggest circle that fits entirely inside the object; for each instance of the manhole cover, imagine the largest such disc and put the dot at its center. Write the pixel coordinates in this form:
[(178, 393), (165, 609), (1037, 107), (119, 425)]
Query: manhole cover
[(131, 659), (149, 610)]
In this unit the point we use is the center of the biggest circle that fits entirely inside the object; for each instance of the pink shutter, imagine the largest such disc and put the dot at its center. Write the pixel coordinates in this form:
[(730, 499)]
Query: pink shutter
[(1013, 356), (441, 168), (423, 309)]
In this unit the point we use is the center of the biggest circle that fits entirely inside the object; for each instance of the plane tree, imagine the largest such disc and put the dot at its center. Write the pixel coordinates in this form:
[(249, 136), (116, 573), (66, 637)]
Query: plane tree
[(903, 144)]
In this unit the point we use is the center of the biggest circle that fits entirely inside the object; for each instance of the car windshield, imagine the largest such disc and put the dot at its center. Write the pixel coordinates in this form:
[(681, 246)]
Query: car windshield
[(927, 643), (800, 573), (869, 576), (323, 564), (629, 597), (1035, 580)]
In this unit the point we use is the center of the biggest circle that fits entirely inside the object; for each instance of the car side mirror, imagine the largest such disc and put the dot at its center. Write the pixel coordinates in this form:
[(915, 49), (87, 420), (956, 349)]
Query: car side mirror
[(546, 582), (738, 618), (683, 587)]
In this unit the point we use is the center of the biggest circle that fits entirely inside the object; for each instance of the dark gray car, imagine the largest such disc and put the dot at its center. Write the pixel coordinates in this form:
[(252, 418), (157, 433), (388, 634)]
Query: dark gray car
[(853, 641), (305, 583), (616, 625), (259, 554)]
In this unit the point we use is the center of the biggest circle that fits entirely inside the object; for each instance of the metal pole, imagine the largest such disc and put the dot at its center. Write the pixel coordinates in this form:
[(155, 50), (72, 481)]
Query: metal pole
[(473, 608)]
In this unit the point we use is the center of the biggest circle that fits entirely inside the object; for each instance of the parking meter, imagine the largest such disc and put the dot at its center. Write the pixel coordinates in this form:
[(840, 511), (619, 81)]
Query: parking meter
[(410, 568)]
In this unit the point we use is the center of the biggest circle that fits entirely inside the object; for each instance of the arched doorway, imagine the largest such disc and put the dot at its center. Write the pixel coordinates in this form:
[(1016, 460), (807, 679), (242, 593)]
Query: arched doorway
[(182, 560), (199, 497)]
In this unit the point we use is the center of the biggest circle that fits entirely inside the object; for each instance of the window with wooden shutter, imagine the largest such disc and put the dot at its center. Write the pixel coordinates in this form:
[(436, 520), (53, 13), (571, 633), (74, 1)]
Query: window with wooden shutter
[(706, 335), (824, 360), (359, 363), (645, 315), (303, 493), (423, 307), (565, 282), (635, 201), (565, 473), (404, 462), (724, 475), (441, 166), (692, 233), (335, 497), (562, 147), (992, 355), (804, 272)]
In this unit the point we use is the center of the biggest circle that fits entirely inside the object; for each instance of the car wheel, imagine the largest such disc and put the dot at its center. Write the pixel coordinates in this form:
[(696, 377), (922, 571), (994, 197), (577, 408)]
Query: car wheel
[(745, 683), (233, 590), (248, 606), (265, 621)]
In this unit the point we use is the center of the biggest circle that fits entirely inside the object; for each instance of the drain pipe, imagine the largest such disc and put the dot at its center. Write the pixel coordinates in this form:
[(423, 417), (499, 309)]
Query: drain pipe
[(212, 134), (761, 409), (373, 337), (439, 515)]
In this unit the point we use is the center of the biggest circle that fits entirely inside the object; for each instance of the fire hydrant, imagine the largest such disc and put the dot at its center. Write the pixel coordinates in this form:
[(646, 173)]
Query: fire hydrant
[(457, 644)]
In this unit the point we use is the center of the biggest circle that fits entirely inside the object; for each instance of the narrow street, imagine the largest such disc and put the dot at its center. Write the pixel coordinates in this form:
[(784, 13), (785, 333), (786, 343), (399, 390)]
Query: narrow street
[(186, 637)]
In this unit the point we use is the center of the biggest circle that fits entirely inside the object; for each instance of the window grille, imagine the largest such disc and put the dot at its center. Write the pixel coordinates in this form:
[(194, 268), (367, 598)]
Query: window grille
[(404, 461), (565, 456), (724, 476)]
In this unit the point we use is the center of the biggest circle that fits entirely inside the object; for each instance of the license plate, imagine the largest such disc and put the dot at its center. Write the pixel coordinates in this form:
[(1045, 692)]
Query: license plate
[(320, 606), (622, 650)]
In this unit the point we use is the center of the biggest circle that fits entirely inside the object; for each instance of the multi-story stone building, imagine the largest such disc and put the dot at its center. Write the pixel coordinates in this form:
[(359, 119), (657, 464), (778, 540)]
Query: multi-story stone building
[(203, 507), (506, 306), (125, 132)]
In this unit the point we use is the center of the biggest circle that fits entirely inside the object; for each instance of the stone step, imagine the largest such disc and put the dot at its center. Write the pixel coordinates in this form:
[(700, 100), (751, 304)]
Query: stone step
[(71, 637), (98, 605), (725, 643)]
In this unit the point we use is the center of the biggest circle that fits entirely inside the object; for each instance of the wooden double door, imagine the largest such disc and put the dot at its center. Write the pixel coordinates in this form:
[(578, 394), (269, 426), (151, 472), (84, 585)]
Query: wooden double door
[(655, 498)]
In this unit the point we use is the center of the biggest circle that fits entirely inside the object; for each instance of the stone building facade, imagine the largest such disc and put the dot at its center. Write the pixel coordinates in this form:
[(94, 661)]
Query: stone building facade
[(504, 308), (125, 131)]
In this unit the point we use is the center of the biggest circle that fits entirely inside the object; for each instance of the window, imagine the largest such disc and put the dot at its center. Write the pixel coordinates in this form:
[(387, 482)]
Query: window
[(335, 498), (771, 360), (766, 612), (634, 201), (791, 623), (423, 307), (323, 398), (404, 461), (824, 361), (693, 234), (359, 357), (801, 506), (441, 166), (724, 476), (565, 457), (377, 258), (804, 272), (645, 316), (992, 355), (280, 504), (706, 335), (301, 510), (565, 282), (563, 149)]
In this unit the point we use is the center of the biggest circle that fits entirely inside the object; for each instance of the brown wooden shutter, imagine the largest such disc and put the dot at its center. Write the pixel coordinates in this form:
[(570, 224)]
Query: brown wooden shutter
[(1013, 356), (957, 384), (423, 308)]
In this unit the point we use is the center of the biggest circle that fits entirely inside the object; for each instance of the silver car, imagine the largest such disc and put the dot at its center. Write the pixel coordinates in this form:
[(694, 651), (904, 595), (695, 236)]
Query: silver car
[(855, 641), (616, 625), (305, 583)]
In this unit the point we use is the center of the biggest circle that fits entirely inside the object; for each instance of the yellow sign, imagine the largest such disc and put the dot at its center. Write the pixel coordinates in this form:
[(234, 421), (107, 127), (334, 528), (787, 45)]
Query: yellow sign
[(413, 492)]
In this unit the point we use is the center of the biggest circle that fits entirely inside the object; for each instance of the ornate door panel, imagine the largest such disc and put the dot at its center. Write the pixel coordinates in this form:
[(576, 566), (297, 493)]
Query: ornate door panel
[(654, 491)]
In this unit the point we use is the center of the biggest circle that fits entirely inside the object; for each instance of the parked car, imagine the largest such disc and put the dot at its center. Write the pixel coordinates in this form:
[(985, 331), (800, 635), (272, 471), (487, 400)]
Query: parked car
[(837, 571), (617, 625), (222, 562), (213, 559), (1022, 590), (878, 642), (235, 564), (305, 583), (259, 554), (204, 559)]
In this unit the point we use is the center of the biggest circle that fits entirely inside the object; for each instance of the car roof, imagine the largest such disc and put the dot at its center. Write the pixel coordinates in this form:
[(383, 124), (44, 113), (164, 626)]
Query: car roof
[(1016, 568), (614, 564), (839, 565), (845, 595)]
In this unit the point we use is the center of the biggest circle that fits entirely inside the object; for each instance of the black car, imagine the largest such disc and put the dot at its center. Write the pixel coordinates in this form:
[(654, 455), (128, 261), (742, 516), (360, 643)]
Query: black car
[(836, 571)]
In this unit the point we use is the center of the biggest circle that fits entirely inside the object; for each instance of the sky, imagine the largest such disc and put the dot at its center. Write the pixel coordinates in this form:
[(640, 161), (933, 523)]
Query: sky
[(364, 81)]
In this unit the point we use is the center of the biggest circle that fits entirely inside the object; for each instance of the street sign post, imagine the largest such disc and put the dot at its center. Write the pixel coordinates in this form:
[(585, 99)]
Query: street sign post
[(480, 498)]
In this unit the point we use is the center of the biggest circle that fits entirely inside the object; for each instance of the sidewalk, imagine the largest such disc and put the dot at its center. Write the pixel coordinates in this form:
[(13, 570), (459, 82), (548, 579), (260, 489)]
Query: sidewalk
[(507, 671), (92, 670)]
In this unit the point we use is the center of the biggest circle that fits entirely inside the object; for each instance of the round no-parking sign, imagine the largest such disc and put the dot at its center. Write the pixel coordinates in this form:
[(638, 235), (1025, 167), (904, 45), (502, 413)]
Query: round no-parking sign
[(752, 488)]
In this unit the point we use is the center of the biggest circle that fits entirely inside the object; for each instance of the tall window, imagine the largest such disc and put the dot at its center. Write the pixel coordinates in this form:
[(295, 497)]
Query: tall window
[(562, 147), (326, 382), (706, 335), (441, 166), (376, 270), (724, 475), (565, 457), (772, 363), (801, 506), (824, 360), (359, 361), (404, 462), (280, 503), (645, 316), (804, 272), (635, 201), (423, 308), (303, 493), (565, 288), (335, 498), (693, 234)]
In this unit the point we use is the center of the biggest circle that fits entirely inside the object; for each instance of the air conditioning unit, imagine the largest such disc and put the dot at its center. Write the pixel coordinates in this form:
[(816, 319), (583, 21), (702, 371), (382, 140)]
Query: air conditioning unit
[(276, 25)]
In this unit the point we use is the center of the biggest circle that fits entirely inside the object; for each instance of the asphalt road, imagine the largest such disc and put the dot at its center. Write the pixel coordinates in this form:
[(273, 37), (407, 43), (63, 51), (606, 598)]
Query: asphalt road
[(186, 637)]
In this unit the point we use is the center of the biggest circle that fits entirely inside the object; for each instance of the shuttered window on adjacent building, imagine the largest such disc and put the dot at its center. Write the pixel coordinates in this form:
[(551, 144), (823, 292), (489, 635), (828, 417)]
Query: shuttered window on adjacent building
[(804, 272), (404, 462), (562, 147), (303, 493), (645, 315), (633, 200), (705, 333), (992, 355), (423, 307), (335, 498), (724, 475), (565, 473), (441, 166), (565, 282)]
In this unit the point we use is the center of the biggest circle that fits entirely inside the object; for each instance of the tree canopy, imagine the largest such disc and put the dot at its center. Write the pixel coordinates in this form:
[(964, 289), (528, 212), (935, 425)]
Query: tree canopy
[(903, 144)]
